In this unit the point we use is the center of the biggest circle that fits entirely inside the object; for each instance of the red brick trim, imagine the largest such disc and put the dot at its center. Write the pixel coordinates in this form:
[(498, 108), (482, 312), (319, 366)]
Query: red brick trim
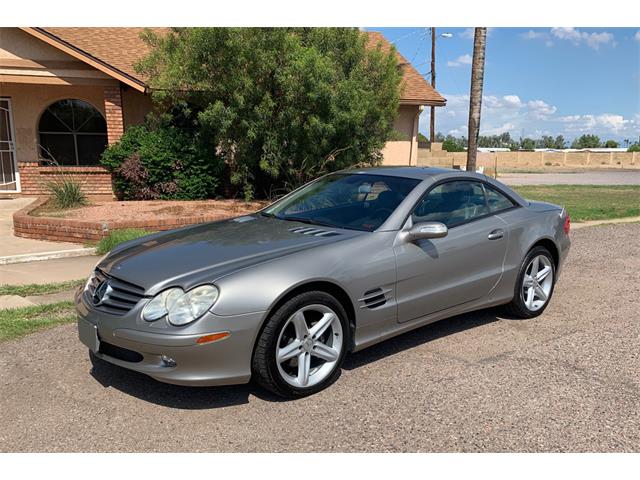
[(82, 231), (113, 113), (94, 180)]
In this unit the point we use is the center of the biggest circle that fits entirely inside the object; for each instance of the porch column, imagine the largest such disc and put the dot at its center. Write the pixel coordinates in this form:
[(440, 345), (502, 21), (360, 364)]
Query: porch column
[(113, 113)]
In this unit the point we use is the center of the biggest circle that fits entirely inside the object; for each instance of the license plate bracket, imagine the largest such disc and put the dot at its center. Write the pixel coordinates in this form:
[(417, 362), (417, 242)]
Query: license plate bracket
[(88, 334)]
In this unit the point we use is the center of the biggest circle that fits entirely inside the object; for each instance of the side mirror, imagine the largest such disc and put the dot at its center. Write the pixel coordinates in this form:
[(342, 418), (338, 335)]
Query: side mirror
[(426, 230)]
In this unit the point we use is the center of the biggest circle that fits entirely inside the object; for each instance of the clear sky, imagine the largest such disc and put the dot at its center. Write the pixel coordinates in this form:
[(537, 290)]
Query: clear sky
[(540, 81)]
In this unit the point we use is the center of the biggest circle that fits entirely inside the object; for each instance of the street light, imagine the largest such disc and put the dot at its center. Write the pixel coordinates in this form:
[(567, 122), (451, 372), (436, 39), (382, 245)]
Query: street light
[(432, 130)]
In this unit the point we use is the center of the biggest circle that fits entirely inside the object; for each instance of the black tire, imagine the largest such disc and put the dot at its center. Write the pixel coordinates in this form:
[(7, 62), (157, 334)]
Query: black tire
[(517, 306), (264, 367)]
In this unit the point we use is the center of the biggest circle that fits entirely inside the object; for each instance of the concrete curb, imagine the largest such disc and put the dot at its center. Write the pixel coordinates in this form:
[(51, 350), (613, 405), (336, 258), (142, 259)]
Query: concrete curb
[(38, 257), (595, 223), (9, 302)]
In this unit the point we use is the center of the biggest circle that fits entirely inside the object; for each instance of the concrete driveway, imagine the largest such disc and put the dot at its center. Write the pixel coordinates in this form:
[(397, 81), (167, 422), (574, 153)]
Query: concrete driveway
[(567, 381), (12, 245)]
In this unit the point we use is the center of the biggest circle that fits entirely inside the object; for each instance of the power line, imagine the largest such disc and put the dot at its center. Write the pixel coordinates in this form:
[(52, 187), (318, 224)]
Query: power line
[(413, 32)]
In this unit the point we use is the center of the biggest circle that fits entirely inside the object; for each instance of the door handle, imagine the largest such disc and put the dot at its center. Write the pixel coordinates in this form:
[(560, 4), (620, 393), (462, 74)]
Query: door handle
[(496, 234)]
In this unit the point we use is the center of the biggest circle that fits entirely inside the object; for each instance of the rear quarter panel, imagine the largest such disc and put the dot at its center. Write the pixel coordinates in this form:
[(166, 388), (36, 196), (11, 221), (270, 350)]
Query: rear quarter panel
[(527, 227)]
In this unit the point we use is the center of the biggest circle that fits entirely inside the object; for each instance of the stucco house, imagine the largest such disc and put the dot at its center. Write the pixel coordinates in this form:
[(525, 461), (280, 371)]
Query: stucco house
[(69, 92)]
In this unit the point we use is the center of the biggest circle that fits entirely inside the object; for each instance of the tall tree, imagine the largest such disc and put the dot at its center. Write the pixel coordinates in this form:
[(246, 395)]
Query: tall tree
[(527, 144), (586, 141), (283, 105), (560, 142), (475, 100)]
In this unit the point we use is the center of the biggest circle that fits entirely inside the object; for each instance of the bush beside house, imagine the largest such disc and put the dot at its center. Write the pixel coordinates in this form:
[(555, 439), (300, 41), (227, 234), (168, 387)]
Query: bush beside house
[(275, 107), (162, 162)]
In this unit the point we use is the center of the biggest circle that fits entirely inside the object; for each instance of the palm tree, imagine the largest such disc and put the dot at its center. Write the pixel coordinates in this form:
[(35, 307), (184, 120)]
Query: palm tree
[(475, 100)]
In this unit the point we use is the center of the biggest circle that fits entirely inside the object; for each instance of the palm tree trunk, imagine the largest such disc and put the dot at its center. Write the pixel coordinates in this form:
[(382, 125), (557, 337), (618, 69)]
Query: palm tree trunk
[(475, 100)]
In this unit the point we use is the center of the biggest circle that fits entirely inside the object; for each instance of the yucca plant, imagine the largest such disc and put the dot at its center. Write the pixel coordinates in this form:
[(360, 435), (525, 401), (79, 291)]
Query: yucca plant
[(66, 192)]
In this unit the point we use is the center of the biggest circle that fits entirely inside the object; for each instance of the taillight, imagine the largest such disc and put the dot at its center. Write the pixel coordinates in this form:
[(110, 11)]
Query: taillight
[(567, 223)]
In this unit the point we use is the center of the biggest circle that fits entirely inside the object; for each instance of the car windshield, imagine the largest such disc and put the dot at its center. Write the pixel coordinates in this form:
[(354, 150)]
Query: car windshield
[(353, 201)]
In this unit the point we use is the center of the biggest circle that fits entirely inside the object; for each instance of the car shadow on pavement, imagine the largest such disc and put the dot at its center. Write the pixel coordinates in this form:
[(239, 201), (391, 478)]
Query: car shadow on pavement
[(146, 388), (428, 333)]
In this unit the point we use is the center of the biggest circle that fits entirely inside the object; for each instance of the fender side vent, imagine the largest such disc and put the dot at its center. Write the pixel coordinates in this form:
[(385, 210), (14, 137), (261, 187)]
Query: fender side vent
[(374, 298)]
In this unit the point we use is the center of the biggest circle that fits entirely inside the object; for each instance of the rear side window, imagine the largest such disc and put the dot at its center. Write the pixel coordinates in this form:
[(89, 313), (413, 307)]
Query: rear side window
[(496, 200), (452, 203)]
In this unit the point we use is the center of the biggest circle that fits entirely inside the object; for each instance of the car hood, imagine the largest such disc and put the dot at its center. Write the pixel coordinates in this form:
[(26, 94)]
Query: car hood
[(203, 253)]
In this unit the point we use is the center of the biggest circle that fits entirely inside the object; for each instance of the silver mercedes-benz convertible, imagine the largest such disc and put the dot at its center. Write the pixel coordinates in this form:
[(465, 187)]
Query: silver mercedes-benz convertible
[(346, 261)]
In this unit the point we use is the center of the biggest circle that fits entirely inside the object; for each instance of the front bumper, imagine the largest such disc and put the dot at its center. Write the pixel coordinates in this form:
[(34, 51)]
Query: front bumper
[(224, 362)]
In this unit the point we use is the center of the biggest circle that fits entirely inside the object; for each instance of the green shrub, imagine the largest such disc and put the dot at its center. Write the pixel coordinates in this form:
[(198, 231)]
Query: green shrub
[(282, 105), (66, 192), (116, 237), (162, 162), (451, 146), (634, 148)]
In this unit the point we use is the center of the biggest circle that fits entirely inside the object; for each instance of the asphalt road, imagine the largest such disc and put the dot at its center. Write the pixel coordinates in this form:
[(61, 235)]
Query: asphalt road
[(567, 381)]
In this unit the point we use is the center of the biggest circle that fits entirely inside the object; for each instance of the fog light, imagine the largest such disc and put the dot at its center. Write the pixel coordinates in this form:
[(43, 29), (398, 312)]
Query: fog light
[(167, 361)]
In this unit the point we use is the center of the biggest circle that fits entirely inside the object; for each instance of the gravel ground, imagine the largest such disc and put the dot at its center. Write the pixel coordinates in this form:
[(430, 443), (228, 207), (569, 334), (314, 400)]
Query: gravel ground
[(602, 177), (111, 211), (567, 381)]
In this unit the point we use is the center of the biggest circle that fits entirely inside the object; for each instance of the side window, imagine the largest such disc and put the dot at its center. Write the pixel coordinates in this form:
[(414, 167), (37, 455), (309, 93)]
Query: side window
[(452, 203), (496, 200)]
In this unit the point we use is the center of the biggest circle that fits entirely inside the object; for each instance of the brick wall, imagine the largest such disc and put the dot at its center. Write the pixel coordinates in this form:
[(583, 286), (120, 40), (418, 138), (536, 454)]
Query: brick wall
[(82, 231), (515, 160), (94, 180), (113, 113)]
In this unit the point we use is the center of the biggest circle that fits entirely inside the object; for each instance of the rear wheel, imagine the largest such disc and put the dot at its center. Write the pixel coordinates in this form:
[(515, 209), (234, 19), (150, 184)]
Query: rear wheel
[(534, 285), (302, 346)]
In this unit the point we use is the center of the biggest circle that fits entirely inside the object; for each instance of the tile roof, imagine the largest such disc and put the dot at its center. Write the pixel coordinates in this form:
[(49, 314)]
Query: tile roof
[(415, 88), (117, 49)]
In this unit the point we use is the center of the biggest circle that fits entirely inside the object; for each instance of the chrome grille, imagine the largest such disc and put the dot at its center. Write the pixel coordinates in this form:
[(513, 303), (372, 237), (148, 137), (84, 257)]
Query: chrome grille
[(115, 297)]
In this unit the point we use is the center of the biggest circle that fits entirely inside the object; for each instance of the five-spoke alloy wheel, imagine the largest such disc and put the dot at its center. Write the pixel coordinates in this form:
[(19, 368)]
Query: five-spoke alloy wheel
[(535, 283), (302, 345), (309, 345)]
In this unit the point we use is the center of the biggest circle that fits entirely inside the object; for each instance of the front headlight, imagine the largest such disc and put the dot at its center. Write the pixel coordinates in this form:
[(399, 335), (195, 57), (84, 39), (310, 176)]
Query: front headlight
[(181, 308)]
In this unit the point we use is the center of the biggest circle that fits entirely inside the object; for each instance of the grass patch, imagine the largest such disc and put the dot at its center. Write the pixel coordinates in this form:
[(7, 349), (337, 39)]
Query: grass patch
[(39, 289), (588, 202), (118, 236), (16, 322)]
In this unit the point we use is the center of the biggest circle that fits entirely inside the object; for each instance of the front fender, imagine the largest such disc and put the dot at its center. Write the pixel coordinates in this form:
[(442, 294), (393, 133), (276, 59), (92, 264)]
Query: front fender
[(257, 289)]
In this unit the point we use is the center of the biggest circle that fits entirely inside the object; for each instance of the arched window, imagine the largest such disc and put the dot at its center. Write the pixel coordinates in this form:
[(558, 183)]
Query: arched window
[(72, 132)]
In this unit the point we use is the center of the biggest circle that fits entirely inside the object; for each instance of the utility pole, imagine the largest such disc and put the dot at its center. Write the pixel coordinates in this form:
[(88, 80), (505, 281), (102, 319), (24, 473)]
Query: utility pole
[(475, 100), (432, 118)]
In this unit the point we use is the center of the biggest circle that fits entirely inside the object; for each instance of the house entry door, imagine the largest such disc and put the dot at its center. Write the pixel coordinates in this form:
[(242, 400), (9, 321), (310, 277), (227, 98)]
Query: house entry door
[(8, 165)]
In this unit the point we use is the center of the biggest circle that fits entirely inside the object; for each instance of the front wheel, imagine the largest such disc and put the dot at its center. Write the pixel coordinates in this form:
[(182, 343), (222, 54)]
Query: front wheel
[(302, 346), (534, 285)]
